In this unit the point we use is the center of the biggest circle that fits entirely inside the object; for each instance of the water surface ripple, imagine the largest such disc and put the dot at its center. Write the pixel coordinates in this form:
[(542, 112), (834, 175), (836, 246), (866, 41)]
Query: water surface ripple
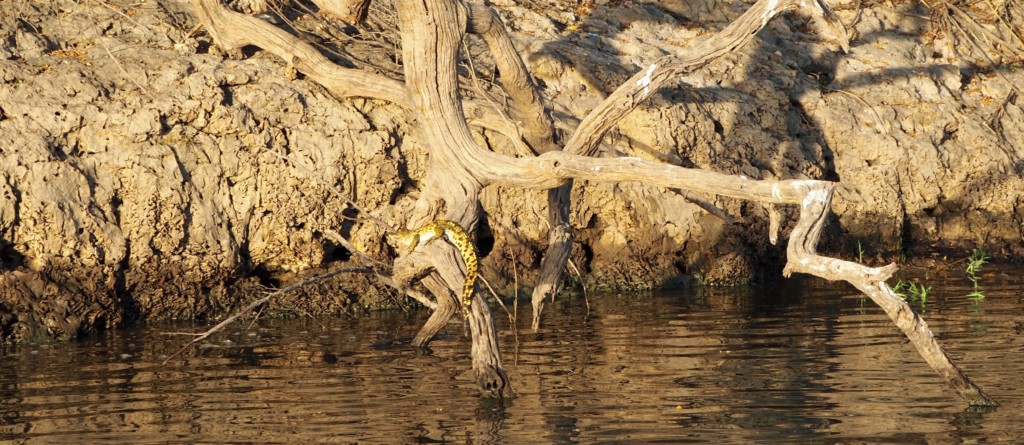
[(797, 361)]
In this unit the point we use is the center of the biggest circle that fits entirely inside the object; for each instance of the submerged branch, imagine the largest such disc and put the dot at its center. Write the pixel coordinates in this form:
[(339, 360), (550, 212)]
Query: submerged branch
[(432, 31), (265, 299), (802, 257)]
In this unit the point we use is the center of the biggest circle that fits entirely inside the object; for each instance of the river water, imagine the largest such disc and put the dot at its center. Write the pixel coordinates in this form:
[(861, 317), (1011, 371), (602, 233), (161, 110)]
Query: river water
[(800, 361)]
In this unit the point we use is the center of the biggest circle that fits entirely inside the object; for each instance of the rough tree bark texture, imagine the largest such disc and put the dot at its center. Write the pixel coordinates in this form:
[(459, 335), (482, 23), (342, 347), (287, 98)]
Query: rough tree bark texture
[(538, 131), (432, 32), (146, 191)]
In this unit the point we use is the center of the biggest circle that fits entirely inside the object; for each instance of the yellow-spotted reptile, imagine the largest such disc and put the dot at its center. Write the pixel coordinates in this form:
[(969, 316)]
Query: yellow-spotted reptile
[(455, 234)]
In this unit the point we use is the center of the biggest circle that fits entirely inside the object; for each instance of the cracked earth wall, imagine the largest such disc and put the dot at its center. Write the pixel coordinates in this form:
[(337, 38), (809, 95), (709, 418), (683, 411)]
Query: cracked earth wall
[(145, 176)]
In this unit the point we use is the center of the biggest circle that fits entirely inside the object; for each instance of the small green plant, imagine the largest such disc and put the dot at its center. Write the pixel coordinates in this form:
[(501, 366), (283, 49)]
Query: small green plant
[(977, 259), (860, 253), (902, 252), (911, 291)]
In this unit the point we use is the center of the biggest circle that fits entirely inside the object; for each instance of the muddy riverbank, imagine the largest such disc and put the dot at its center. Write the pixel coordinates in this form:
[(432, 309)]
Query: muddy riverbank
[(148, 176)]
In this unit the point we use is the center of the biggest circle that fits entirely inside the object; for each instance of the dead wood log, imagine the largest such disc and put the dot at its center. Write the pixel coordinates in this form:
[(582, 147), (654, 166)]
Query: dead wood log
[(802, 257), (232, 31), (532, 116), (432, 31)]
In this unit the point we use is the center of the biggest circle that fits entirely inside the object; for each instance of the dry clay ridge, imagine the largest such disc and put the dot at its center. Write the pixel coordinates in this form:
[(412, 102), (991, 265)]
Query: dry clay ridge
[(146, 175)]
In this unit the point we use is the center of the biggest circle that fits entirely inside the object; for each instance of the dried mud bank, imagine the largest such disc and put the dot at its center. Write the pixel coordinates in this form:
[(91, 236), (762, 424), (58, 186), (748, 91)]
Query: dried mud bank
[(147, 176)]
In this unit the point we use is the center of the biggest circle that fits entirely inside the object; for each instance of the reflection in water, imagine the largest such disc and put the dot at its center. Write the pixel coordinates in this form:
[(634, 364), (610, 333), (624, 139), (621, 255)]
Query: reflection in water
[(801, 361)]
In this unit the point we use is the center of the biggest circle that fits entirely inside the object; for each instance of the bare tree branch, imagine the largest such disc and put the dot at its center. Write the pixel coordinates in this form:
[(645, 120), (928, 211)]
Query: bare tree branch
[(232, 31), (260, 301), (527, 108), (802, 257), (673, 67), (432, 31)]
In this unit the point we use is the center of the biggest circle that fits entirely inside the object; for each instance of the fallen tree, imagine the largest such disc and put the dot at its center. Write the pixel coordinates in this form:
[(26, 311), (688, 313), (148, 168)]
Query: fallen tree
[(432, 32)]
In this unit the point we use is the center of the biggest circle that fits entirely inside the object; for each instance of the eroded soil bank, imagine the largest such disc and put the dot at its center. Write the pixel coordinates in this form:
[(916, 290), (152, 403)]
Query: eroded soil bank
[(145, 175)]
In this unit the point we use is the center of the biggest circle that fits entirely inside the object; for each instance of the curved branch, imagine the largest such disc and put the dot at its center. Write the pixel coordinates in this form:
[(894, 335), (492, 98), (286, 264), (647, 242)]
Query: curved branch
[(420, 265), (803, 257), (527, 108), (672, 67), (232, 31)]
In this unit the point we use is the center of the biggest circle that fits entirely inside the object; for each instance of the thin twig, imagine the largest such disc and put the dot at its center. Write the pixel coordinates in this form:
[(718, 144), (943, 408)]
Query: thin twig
[(193, 30), (126, 74), (265, 299), (256, 318), (879, 125), (496, 298), (583, 285), (122, 14), (515, 278), (515, 308)]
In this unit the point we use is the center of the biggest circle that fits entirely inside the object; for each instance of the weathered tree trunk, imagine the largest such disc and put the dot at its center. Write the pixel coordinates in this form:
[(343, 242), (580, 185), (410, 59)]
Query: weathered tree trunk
[(538, 131), (431, 35), (432, 31)]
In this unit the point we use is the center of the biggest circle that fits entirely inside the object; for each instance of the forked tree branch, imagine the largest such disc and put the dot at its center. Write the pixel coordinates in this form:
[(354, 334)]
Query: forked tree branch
[(673, 67), (538, 130), (432, 31), (232, 31), (802, 257)]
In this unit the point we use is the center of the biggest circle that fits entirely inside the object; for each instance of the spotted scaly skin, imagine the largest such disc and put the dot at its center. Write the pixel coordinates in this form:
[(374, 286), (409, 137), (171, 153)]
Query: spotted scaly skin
[(455, 234)]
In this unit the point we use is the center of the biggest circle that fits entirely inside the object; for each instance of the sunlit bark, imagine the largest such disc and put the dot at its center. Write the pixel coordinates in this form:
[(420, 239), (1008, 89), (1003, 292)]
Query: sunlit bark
[(432, 32)]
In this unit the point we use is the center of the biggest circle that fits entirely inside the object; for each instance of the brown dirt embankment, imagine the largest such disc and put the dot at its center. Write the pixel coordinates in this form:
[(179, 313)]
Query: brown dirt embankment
[(146, 176)]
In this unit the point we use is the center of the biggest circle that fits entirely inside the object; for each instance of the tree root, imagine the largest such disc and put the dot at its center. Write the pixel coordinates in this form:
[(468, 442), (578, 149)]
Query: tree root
[(458, 169)]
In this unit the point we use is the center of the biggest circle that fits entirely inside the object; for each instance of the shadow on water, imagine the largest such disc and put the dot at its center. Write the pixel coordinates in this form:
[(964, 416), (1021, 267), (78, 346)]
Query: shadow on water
[(793, 361)]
